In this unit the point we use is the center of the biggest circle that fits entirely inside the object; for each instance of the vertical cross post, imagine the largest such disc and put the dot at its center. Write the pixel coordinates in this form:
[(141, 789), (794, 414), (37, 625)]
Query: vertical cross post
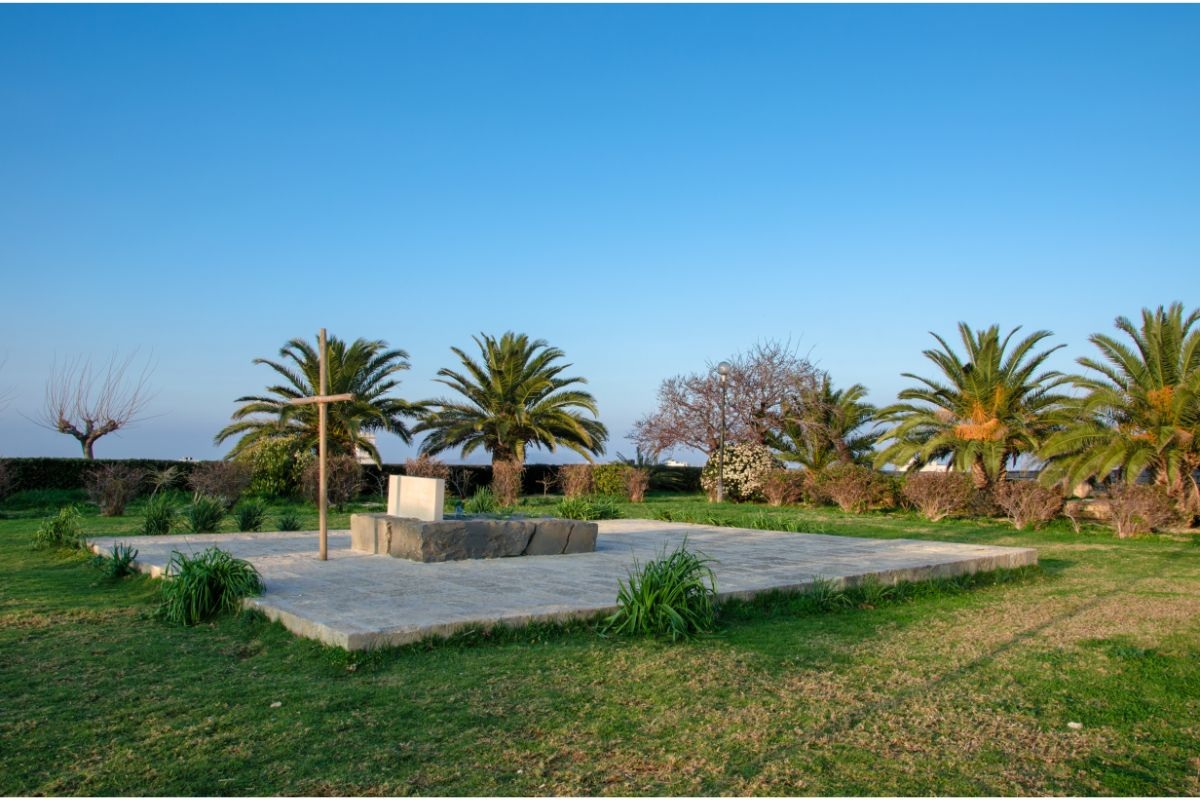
[(322, 401)]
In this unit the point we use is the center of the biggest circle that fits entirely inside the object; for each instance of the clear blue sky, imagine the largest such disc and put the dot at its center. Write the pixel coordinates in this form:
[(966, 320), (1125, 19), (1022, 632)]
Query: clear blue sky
[(649, 188)]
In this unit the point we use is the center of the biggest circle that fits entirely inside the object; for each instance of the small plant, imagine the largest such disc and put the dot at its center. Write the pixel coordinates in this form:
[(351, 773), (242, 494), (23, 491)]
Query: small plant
[(221, 480), (482, 502), (1140, 509), (637, 481), (674, 595), (203, 586), (250, 515), (204, 515), (1027, 503), (159, 516), (119, 561), (588, 508), (112, 486), (343, 480), (937, 495), (507, 477), (61, 530), (425, 466), (289, 521), (575, 479)]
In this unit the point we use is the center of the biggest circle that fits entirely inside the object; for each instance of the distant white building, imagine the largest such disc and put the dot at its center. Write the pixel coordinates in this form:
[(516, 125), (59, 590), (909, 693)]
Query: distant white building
[(671, 462)]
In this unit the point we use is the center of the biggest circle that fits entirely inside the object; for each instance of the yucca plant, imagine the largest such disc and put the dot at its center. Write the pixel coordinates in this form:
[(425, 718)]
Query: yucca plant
[(672, 596), (205, 585), (250, 515), (289, 521), (119, 561), (204, 515), (159, 516)]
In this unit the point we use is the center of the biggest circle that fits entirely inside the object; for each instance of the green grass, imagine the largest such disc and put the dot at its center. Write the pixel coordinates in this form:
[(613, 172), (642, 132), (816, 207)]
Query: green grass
[(954, 688)]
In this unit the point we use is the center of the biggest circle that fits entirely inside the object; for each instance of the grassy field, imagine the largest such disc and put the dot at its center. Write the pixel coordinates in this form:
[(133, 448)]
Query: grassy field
[(950, 693)]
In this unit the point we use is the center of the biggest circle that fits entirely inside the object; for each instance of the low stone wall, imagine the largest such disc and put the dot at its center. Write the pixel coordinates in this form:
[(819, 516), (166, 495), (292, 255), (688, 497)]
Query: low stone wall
[(457, 539)]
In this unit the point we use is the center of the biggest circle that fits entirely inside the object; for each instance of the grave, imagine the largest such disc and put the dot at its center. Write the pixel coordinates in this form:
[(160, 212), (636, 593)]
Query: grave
[(415, 527)]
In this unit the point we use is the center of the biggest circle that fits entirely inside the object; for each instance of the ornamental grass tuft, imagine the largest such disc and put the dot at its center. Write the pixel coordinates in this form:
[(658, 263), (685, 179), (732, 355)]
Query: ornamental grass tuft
[(206, 585), (672, 596)]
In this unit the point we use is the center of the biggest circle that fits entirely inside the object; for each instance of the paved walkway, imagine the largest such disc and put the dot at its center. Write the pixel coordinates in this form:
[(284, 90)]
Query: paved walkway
[(359, 601)]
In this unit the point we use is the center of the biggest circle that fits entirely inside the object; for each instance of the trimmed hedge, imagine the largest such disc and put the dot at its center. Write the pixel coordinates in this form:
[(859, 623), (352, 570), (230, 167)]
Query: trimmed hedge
[(29, 474)]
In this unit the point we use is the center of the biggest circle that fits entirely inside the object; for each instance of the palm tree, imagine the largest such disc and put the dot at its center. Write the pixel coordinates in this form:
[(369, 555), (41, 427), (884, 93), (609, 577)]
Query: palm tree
[(1142, 411), (364, 368), (991, 408), (512, 399), (822, 426)]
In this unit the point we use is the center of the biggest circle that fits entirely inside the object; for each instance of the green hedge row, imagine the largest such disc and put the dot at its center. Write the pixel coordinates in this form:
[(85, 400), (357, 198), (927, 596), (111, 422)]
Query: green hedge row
[(68, 473)]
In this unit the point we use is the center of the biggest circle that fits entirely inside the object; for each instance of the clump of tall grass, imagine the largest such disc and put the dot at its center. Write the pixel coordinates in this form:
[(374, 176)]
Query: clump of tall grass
[(205, 585), (672, 596), (250, 515), (288, 521), (482, 502), (61, 530), (118, 563), (158, 516), (588, 507), (204, 515)]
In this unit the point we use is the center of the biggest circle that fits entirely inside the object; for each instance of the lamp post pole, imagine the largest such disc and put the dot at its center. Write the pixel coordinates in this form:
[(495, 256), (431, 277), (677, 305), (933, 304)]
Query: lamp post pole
[(723, 373)]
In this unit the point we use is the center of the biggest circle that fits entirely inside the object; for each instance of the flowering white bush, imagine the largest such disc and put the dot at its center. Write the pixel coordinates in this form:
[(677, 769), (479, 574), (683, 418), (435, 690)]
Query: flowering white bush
[(746, 469)]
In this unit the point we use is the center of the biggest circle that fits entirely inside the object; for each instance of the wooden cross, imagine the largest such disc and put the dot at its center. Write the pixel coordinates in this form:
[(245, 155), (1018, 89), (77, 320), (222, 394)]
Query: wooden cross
[(322, 400)]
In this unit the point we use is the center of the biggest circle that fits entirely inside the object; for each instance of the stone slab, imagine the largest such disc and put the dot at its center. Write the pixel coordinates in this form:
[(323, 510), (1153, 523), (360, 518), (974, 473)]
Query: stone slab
[(455, 539), (416, 498), (359, 601)]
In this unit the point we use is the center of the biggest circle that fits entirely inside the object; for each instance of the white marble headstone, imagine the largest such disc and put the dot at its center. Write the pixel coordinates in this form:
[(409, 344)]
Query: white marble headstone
[(416, 498)]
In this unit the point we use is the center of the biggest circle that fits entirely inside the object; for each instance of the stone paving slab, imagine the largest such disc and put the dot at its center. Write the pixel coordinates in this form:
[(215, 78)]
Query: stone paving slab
[(359, 601)]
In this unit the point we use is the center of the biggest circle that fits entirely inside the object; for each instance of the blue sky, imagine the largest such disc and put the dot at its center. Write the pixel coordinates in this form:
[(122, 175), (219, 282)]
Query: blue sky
[(649, 188)]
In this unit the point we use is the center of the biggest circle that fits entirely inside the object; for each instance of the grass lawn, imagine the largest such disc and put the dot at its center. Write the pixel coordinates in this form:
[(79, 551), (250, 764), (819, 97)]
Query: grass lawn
[(956, 693)]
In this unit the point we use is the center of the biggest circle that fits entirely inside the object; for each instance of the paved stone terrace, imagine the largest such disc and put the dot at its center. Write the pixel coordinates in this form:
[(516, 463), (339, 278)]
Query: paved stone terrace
[(358, 601)]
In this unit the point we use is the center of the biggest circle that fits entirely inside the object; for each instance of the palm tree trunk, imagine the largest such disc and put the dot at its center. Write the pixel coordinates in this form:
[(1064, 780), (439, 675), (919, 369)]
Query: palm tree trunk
[(979, 474)]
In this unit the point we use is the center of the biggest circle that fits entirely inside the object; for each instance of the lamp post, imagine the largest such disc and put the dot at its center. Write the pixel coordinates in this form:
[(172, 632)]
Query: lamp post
[(723, 376)]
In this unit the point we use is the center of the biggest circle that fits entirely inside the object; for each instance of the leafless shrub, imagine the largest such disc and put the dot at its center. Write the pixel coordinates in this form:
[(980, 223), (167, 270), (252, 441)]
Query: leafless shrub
[(426, 467), (854, 488), (162, 479), (225, 480), (507, 477), (548, 481), (575, 479), (1140, 509), (5, 480), (785, 486), (1028, 502), (459, 480), (112, 486), (937, 495), (637, 480), (343, 480)]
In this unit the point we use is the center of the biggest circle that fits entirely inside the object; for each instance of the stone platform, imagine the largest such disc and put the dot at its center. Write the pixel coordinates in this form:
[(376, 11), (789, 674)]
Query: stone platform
[(454, 539), (359, 601)]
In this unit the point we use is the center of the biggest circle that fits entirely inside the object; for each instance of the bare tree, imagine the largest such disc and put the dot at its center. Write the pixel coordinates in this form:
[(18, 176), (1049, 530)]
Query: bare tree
[(89, 403), (760, 381)]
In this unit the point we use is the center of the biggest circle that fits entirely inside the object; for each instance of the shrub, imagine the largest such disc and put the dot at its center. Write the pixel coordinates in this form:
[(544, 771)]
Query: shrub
[(637, 480), (223, 481), (507, 477), (610, 479), (342, 481), (61, 530), (202, 586), (250, 515), (111, 486), (785, 486), (1028, 503), (6, 482), (161, 479), (575, 479), (588, 507), (482, 502), (746, 468), (853, 487), (1140, 509), (937, 495), (674, 595), (204, 515), (119, 561), (158, 517), (289, 521), (276, 466), (426, 467)]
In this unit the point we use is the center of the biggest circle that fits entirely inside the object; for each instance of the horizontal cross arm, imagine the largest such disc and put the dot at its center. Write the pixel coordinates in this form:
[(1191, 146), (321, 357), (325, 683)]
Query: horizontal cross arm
[(322, 398)]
